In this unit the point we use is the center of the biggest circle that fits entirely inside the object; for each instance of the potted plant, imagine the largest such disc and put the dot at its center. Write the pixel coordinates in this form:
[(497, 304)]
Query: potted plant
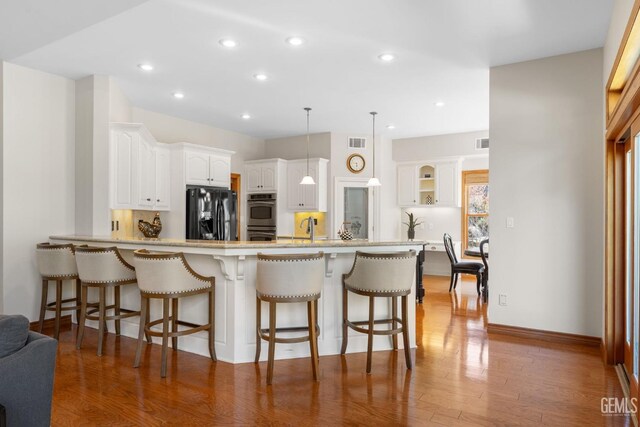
[(412, 223)]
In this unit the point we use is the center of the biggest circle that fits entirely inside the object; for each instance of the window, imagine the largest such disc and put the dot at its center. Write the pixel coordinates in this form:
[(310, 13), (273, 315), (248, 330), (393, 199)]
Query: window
[(475, 208)]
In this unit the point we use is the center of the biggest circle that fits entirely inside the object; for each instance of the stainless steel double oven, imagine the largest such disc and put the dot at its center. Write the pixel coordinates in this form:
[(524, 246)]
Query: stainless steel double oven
[(261, 218)]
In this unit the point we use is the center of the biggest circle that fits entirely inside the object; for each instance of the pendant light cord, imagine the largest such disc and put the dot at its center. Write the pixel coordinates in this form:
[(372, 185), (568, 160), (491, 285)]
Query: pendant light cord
[(307, 109)]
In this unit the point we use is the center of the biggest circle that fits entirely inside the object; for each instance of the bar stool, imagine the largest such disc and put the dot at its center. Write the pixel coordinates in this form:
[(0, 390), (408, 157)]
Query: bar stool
[(168, 276), (57, 263), (388, 275), (289, 279), (102, 268)]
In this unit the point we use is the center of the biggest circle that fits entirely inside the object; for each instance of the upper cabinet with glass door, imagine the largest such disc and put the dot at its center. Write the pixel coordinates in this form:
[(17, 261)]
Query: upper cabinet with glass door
[(429, 184)]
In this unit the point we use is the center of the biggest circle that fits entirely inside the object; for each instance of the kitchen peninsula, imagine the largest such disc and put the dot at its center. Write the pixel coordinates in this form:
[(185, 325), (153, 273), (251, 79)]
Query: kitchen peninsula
[(234, 266)]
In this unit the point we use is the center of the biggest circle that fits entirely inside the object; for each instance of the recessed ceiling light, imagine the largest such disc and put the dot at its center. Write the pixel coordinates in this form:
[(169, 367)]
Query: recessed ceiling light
[(178, 95), (145, 67), (260, 76), (295, 41), (228, 43), (246, 116), (387, 57), (439, 104), (391, 127)]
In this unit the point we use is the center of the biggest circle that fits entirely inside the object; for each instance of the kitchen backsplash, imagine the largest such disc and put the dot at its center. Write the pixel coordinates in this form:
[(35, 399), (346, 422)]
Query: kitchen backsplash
[(298, 217), (127, 222)]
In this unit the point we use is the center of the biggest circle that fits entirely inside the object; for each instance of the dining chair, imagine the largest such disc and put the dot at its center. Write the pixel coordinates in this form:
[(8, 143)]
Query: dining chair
[(485, 275), (462, 267)]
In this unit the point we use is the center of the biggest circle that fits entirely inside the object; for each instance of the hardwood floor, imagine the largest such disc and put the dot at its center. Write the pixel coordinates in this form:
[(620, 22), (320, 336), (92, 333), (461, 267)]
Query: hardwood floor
[(461, 376)]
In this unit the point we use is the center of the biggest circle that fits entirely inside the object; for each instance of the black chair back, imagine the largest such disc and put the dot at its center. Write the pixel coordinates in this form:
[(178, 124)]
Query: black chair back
[(448, 246), (483, 254)]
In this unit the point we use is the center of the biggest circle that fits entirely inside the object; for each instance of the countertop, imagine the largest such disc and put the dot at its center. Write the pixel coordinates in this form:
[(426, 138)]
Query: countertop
[(285, 243)]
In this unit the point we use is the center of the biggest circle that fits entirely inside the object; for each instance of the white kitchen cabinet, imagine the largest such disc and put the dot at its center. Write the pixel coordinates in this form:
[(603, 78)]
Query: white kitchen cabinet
[(146, 175), (121, 168), (139, 169), (302, 198), (429, 184), (196, 168), (163, 178), (447, 184), (407, 189), (220, 171), (262, 176), (205, 169)]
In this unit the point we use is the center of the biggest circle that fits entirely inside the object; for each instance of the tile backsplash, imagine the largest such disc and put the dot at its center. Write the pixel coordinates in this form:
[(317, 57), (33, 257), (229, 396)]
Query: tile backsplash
[(298, 217)]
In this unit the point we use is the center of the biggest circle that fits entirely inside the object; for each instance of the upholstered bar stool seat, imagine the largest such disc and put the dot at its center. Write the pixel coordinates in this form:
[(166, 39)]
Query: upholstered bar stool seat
[(168, 276), (103, 268), (288, 279), (375, 275), (57, 263)]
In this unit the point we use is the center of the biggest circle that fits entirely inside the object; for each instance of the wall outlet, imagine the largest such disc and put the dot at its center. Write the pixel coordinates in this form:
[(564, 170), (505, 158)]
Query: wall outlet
[(502, 299), (511, 222), (430, 226)]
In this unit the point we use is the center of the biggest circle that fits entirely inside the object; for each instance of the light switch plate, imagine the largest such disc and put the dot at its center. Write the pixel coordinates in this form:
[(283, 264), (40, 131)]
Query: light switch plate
[(502, 299), (511, 222), (430, 226)]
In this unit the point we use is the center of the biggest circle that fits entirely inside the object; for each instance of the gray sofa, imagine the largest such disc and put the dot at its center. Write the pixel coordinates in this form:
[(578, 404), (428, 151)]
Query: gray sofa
[(27, 363)]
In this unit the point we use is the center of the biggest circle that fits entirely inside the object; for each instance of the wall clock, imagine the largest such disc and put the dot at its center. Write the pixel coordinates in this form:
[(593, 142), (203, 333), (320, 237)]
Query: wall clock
[(355, 163)]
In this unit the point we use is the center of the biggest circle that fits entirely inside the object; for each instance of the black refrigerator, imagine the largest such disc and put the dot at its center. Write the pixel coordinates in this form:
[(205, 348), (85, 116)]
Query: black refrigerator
[(211, 213)]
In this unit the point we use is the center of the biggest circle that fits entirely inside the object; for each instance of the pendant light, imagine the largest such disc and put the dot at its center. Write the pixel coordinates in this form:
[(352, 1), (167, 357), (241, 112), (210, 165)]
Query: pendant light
[(308, 179), (373, 181)]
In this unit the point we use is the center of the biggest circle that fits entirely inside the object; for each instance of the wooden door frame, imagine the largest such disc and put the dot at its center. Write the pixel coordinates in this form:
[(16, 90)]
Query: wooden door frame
[(622, 109), (468, 178), (236, 185)]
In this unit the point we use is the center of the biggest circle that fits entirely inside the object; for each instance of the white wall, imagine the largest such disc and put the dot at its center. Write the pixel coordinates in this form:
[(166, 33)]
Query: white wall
[(546, 121), (120, 109), (170, 129), (295, 147), (38, 177), (92, 212), (437, 146)]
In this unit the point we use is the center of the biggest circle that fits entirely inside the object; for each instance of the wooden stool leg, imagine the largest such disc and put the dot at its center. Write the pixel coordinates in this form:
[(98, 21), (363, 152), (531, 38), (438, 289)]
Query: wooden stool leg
[(394, 324), (370, 336), (56, 333), (83, 314), (315, 303), (143, 316), (405, 331), (272, 341), (345, 318), (116, 302), (258, 326), (212, 323), (313, 338), (78, 299), (165, 336), (147, 319), (101, 322), (174, 322), (43, 303)]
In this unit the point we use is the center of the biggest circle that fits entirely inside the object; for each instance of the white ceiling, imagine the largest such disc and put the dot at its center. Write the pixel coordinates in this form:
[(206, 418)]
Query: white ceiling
[(444, 50)]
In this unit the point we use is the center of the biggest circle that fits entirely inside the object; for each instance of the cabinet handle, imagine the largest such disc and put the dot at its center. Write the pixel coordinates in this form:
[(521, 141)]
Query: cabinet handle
[(157, 200)]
